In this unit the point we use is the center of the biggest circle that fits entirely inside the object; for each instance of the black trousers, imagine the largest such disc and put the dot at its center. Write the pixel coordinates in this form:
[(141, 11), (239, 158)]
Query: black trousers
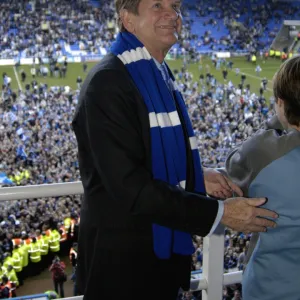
[(114, 275), (59, 288), (20, 276)]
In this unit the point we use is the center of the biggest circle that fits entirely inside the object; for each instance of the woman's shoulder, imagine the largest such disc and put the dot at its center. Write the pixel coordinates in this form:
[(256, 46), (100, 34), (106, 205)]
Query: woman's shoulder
[(271, 144)]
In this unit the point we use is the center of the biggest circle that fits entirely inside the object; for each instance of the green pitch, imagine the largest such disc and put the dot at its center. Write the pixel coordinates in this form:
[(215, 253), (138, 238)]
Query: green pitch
[(269, 68)]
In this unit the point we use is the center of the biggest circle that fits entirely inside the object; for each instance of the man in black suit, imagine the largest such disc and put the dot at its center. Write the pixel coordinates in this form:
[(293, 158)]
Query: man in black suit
[(122, 199)]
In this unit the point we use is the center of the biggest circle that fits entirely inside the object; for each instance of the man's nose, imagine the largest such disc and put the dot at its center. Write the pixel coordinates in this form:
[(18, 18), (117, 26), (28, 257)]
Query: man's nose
[(172, 14)]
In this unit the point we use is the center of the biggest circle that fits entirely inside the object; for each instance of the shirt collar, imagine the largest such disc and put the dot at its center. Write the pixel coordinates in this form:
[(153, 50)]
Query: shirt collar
[(158, 64)]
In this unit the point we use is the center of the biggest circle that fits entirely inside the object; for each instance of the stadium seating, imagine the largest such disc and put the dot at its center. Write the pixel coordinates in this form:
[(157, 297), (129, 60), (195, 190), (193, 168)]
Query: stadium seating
[(95, 3), (201, 15), (241, 11)]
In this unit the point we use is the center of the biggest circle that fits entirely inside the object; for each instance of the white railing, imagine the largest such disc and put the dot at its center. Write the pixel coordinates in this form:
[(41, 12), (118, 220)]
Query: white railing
[(212, 279)]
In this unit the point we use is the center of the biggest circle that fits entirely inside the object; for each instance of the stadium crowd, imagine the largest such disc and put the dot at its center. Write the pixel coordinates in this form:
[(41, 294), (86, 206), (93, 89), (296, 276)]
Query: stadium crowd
[(222, 114), (52, 27), (247, 23), (31, 233), (37, 144)]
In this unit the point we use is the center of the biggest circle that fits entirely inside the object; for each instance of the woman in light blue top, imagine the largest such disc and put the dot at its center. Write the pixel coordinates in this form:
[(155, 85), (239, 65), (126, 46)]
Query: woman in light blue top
[(268, 165)]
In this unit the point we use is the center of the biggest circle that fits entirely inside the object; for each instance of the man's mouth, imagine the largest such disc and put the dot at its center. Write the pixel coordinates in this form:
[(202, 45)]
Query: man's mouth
[(167, 27)]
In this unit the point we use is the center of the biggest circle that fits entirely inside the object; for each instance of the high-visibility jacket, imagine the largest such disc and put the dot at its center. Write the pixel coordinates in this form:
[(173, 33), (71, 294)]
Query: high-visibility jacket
[(3, 271), (35, 252), (22, 253), (67, 223), (44, 245), (25, 174), (13, 278), (18, 260), (64, 235), (8, 262), (16, 242), (25, 248), (9, 287), (17, 179), (54, 241)]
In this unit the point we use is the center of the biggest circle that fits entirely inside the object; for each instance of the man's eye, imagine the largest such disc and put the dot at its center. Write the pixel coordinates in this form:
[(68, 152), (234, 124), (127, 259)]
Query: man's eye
[(157, 5), (176, 7)]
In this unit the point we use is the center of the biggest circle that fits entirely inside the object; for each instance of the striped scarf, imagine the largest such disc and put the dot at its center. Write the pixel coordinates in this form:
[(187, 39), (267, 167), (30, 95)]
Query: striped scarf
[(168, 146)]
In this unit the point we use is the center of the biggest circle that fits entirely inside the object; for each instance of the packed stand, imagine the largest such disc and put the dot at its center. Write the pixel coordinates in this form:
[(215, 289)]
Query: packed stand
[(53, 27), (240, 25), (45, 29), (223, 115), (32, 233), (35, 127), (37, 146)]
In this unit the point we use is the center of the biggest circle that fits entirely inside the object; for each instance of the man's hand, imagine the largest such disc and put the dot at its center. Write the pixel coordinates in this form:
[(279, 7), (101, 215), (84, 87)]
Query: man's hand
[(242, 214), (218, 185)]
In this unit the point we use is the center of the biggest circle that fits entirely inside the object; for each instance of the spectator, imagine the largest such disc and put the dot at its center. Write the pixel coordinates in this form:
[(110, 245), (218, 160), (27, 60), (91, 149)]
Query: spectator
[(274, 264), (58, 275)]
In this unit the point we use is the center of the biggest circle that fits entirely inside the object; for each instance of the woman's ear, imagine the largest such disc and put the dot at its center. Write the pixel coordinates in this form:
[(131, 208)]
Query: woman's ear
[(280, 102)]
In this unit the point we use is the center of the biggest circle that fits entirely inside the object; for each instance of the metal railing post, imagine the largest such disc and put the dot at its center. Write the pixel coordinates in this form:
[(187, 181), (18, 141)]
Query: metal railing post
[(213, 265)]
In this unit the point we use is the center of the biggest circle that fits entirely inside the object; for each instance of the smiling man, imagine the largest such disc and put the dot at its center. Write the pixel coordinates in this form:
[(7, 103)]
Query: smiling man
[(144, 189)]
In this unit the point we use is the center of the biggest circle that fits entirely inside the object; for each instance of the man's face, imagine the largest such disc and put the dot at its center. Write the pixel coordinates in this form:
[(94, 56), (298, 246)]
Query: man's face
[(157, 24)]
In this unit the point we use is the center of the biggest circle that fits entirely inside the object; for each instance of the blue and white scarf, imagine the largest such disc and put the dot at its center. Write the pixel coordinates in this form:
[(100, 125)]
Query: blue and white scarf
[(169, 159)]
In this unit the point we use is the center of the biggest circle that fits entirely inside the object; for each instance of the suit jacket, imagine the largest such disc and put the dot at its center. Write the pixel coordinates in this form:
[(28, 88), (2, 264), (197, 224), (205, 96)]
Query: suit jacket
[(121, 198)]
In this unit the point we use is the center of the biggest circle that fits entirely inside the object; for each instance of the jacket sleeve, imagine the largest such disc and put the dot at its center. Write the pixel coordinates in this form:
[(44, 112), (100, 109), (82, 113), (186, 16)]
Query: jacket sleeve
[(110, 122), (251, 156), (243, 163)]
